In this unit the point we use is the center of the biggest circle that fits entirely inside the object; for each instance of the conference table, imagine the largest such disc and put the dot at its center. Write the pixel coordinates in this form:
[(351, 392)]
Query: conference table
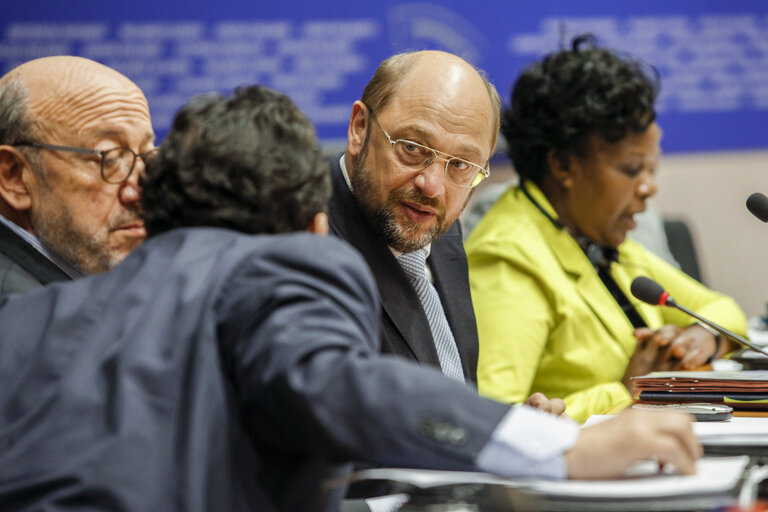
[(732, 471)]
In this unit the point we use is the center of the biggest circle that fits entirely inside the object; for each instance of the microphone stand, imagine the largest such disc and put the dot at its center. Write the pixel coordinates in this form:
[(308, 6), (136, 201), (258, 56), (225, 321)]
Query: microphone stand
[(722, 330)]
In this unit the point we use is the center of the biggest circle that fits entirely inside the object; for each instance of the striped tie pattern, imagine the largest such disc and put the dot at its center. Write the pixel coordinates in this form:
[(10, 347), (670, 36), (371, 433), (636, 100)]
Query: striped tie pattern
[(414, 264)]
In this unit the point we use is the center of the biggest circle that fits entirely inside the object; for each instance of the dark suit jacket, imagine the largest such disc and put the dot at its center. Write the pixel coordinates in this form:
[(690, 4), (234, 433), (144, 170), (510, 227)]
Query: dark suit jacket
[(22, 267), (405, 329), (214, 371)]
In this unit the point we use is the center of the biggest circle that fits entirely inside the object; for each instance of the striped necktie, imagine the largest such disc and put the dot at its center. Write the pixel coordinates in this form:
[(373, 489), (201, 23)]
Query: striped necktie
[(414, 264)]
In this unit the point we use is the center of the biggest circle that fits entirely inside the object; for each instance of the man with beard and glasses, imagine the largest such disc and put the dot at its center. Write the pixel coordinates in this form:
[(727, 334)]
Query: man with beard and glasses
[(74, 138), (419, 141)]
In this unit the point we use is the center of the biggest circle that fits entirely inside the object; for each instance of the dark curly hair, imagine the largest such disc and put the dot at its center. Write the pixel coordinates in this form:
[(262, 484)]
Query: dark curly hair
[(248, 162), (559, 102)]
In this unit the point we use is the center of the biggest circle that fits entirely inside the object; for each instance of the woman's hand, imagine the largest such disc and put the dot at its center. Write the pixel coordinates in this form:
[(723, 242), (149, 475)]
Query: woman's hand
[(685, 348), (553, 406), (649, 353)]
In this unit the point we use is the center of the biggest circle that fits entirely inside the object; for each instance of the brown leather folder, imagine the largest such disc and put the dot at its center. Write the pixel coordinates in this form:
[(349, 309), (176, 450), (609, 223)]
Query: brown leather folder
[(740, 390)]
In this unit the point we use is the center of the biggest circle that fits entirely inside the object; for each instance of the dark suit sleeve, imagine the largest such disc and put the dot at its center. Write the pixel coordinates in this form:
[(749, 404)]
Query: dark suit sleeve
[(299, 334)]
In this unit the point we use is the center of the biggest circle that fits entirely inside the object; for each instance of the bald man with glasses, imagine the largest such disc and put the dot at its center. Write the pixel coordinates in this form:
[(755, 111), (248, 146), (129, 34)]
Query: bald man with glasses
[(74, 138), (419, 140)]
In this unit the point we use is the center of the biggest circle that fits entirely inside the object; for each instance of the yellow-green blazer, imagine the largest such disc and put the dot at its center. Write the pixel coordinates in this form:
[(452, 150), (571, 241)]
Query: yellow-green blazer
[(545, 320)]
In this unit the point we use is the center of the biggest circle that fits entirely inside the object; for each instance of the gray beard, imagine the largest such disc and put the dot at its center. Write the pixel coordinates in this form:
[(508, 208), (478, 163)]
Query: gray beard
[(83, 252), (86, 251), (405, 236)]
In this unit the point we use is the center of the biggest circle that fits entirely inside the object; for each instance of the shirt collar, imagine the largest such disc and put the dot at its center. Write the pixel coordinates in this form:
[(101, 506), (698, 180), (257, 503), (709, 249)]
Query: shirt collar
[(54, 257)]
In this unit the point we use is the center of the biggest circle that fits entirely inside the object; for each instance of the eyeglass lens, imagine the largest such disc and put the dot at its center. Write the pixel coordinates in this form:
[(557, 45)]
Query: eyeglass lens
[(418, 157), (117, 163)]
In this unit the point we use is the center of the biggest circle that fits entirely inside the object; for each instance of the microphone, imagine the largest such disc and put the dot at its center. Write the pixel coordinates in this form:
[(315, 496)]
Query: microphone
[(651, 292), (757, 204)]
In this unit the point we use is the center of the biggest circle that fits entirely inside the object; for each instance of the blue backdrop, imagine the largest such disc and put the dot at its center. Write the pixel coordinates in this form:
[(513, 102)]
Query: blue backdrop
[(712, 55)]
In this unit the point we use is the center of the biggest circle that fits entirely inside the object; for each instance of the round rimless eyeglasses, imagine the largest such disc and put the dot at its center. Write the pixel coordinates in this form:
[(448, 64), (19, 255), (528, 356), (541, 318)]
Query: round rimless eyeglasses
[(416, 157)]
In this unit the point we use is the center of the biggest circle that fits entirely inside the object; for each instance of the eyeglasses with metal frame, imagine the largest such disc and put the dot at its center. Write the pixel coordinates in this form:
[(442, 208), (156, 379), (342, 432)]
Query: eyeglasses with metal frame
[(417, 157), (116, 164)]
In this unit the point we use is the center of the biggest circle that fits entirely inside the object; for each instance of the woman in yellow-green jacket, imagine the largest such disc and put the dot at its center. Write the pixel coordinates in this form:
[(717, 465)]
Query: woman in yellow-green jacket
[(550, 264)]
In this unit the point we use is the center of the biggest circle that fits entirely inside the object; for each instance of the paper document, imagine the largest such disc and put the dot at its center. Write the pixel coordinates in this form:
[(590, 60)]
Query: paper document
[(715, 475), (758, 336)]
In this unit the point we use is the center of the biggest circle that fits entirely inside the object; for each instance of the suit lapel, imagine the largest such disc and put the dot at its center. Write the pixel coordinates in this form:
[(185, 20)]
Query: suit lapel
[(575, 263), (28, 258), (399, 300)]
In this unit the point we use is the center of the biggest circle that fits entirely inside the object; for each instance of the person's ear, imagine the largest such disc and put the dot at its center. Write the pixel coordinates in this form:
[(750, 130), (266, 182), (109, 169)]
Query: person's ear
[(563, 168), (13, 188), (318, 224), (358, 125)]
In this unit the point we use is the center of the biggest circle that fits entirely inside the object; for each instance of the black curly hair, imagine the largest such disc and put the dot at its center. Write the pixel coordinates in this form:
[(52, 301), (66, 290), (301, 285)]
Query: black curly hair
[(248, 162), (561, 101)]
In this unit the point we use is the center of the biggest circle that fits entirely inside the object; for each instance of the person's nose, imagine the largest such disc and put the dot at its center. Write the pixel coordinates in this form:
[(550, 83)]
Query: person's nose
[(130, 190), (431, 180), (647, 186)]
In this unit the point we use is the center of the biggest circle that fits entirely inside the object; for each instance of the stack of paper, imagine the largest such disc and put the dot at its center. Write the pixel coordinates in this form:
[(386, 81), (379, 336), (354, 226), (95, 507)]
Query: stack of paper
[(736, 436), (742, 431)]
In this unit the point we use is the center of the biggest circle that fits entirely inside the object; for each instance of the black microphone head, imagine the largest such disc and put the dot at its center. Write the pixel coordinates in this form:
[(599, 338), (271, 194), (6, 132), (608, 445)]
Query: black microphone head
[(757, 203), (648, 291)]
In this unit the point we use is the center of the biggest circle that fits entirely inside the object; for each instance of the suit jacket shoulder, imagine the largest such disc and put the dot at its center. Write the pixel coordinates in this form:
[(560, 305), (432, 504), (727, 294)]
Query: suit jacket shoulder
[(199, 334), (405, 330), (22, 267)]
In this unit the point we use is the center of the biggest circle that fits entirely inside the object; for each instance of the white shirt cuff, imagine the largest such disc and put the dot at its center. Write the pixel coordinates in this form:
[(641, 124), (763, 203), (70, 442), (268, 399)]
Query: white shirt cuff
[(529, 443)]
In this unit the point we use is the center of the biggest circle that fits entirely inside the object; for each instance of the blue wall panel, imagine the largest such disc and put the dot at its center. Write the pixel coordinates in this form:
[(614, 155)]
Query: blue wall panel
[(712, 55)]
